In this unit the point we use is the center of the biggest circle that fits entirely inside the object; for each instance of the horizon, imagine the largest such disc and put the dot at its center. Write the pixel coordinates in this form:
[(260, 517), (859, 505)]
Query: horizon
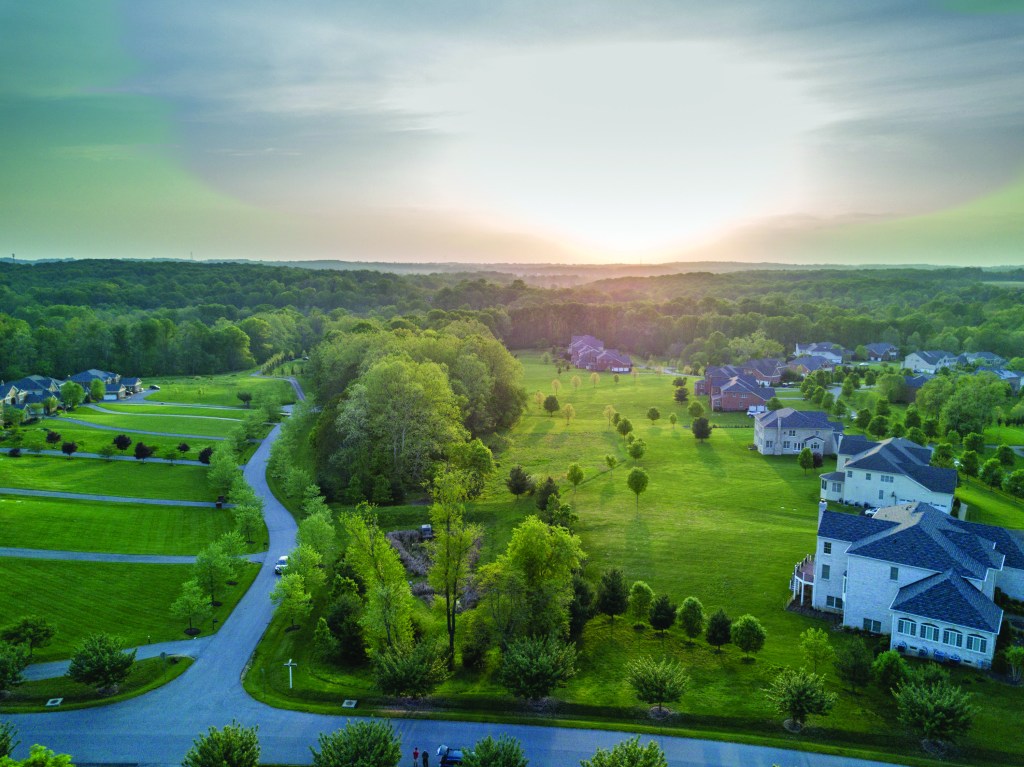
[(785, 133)]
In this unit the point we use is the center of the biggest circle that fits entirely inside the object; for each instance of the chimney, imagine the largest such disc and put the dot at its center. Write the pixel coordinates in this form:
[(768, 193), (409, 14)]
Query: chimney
[(822, 508)]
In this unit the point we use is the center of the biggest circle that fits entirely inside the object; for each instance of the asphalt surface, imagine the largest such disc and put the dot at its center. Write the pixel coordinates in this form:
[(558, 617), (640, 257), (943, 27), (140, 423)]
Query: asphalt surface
[(103, 556), (159, 728)]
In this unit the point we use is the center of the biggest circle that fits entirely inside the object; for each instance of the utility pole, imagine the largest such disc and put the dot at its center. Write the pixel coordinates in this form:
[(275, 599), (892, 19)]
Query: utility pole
[(290, 664)]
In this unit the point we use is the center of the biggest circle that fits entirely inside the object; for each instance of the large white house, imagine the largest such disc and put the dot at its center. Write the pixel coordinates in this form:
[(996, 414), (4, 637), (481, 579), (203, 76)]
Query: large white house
[(885, 473), (917, 574), (834, 353), (929, 361), (787, 431)]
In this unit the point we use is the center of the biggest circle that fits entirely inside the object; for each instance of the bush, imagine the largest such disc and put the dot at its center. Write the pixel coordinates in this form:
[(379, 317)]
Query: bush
[(853, 664), (234, 746), (890, 670), (101, 662), (369, 742), (532, 667), (799, 694)]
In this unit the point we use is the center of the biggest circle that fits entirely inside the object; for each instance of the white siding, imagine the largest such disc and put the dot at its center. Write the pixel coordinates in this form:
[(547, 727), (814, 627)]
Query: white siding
[(836, 562), (870, 592), (915, 643), (859, 489)]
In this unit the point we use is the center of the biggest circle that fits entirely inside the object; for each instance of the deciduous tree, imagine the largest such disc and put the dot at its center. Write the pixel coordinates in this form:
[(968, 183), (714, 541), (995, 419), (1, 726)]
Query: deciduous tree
[(637, 482), (816, 648), (937, 712), (719, 630), (503, 752), (640, 598), (369, 743), (657, 682), (13, 660), (701, 428), (628, 753), (232, 746), (414, 674), (853, 664), (612, 594), (191, 605), (532, 667), (691, 617), (101, 661), (291, 598), (799, 694), (30, 630), (748, 634)]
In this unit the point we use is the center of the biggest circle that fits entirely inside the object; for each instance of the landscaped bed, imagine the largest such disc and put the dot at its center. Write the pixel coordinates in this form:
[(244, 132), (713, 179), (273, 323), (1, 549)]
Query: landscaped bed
[(91, 440)]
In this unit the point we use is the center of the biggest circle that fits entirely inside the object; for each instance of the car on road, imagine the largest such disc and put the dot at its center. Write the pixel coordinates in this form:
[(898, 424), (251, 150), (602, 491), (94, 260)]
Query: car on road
[(282, 565), (449, 755)]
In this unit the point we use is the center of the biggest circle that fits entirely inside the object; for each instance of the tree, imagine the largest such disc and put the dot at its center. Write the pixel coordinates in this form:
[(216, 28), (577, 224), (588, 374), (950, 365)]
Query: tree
[(658, 682), (39, 756), (1014, 656), (942, 456), (612, 594), (575, 475), (991, 472), (637, 449), (317, 532), (672, 419), (569, 412), (974, 441), (233, 746), (191, 605), (52, 437), (205, 455), (71, 394), (101, 661), (719, 630), (799, 694), (774, 404), (653, 414), (556, 385), (307, 563), (248, 520), (532, 667), (551, 404), (637, 482), (640, 597), (939, 711), (547, 488), (628, 753), (211, 569), (815, 646), (969, 463), (413, 674), (624, 427), (363, 743), (853, 664), (863, 419), (748, 634), (245, 397), (662, 615), (519, 482), (681, 395), (696, 409), (1006, 457), (609, 413), (143, 451), (581, 608), (13, 660), (878, 426), (291, 598), (701, 428), (451, 549), (7, 739), (594, 378), (889, 670), (97, 389), (31, 631), (1013, 483), (503, 752), (611, 462), (691, 618), (575, 381), (223, 470), (183, 448), (805, 460)]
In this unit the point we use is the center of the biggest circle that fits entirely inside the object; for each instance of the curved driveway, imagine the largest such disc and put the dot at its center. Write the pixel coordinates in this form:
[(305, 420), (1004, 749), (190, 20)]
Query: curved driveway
[(158, 728)]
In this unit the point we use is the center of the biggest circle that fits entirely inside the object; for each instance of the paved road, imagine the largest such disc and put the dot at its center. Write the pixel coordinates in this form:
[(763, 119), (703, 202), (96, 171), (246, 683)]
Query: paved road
[(59, 454), (159, 728), (104, 427), (105, 498), (191, 647), (105, 556)]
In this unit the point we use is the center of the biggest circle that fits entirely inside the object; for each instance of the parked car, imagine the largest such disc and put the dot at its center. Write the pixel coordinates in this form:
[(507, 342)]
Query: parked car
[(449, 755), (282, 565), (154, 387)]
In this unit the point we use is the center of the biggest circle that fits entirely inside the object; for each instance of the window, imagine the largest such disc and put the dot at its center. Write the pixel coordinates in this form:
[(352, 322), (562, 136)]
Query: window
[(894, 573), (907, 626), (792, 432), (977, 643), (825, 572), (768, 443), (824, 484), (929, 632), (887, 478), (836, 487), (826, 547), (849, 473), (836, 602), (785, 445), (953, 638), (873, 626), (867, 475)]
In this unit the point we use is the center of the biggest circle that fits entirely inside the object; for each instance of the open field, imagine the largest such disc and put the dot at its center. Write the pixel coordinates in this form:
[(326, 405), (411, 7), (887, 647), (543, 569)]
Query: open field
[(146, 675), (237, 413), (82, 598), (90, 440), (170, 424), (115, 478), (219, 390), (121, 528), (718, 521), (1004, 435)]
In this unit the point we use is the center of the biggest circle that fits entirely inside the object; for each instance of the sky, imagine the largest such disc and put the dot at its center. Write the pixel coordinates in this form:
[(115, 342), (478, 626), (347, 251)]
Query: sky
[(805, 131)]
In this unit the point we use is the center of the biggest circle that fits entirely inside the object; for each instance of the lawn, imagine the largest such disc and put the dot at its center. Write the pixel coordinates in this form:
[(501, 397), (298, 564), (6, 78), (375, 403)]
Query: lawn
[(990, 507), (238, 413), (718, 521), (82, 598), (115, 478), (218, 390), (90, 440), (1004, 435), (203, 426), (125, 528)]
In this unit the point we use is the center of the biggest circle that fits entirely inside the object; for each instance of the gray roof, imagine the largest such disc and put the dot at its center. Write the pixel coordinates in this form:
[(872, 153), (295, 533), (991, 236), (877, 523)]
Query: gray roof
[(748, 384), (949, 598), (811, 362), (916, 382), (932, 356), (881, 348), (766, 365), (919, 535), (849, 527), (788, 418), (834, 476), (131, 381), (897, 455)]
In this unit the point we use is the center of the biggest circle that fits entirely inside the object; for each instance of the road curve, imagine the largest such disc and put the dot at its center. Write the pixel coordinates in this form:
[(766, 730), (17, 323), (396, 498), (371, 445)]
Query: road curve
[(159, 728)]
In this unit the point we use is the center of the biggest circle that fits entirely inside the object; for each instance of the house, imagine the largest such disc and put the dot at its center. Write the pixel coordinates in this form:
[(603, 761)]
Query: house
[(915, 573), (714, 377), (114, 391), (611, 360), (929, 361), (739, 393), (589, 353), (807, 364), (579, 344), (8, 395), (985, 358), (767, 370), (132, 385), (914, 384), (787, 431), (86, 377), (882, 352), (892, 471), (35, 389), (1011, 377), (834, 353)]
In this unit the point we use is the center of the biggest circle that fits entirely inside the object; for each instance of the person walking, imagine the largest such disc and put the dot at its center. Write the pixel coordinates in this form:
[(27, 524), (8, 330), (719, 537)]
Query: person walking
[(416, 757), (426, 758)]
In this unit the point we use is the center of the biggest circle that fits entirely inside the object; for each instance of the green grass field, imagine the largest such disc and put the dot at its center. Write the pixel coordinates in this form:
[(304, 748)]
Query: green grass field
[(718, 521), (90, 440), (82, 598), (116, 478), (237, 413), (1004, 435), (172, 424), (124, 528), (218, 390)]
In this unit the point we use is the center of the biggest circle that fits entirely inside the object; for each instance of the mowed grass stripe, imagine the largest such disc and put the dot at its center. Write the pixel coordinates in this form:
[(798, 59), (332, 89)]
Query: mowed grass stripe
[(208, 412), (219, 390), (121, 528), (195, 425), (114, 478), (82, 598)]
